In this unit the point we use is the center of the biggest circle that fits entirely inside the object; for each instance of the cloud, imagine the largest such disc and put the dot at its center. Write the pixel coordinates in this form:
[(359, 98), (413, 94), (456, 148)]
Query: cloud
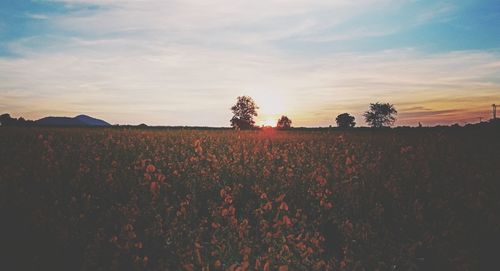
[(143, 79), (429, 113), (37, 16), (217, 22), (184, 62), (442, 11)]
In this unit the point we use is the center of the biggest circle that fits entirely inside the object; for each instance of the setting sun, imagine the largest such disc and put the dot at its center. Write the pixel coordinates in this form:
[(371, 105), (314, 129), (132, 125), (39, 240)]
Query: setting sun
[(272, 104), (268, 122)]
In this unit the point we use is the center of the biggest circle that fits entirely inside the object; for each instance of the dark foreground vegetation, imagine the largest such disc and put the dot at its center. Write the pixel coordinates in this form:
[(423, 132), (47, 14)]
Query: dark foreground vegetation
[(132, 199)]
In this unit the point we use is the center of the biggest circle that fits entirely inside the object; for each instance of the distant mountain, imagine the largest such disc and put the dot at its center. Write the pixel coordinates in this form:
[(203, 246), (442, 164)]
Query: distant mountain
[(80, 120), (91, 121)]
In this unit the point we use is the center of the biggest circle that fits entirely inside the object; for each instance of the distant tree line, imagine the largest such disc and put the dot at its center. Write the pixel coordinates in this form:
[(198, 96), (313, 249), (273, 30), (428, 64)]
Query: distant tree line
[(7, 120), (378, 115)]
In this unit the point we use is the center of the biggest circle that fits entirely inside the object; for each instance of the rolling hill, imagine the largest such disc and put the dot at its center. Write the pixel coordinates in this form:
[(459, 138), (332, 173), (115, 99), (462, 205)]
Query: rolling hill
[(80, 120)]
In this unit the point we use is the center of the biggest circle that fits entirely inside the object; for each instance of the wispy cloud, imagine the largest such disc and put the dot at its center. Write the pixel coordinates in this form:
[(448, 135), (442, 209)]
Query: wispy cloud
[(442, 11), (37, 16)]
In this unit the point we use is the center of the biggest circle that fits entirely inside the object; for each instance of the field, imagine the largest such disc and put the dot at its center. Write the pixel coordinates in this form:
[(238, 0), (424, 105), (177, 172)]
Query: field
[(160, 199)]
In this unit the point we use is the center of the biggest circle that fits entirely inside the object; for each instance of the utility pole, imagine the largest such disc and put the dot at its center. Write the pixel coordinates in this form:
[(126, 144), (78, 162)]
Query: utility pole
[(480, 119), (494, 107)]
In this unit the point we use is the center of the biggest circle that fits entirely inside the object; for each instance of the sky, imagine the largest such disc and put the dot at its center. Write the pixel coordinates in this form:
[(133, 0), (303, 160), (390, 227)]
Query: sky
[(184, 62)]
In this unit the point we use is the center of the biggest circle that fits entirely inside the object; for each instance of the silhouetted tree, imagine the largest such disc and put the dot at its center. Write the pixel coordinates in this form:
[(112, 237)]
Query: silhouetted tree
[(244, 111), (380, 115), (345, 120), (7, 120), (284, 123), (4, 119)]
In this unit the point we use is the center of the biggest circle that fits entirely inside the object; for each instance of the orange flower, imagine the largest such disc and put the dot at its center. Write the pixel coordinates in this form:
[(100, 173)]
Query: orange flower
[(286, 220), (263, 196), (348, 161), (231, 210), (266, 266), (280, 198), (321, 180), (284, 206), (268, 206), (301, 246), (153, 187), (150, 169), (285, 248), (257, 264), (198, 256), (283, 268), (245, 265)]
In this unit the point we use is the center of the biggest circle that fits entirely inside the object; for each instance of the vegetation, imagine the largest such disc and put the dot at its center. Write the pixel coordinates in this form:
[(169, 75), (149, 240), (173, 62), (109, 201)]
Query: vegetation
[(345, 120), (7, 120), (380, 115), (244, 111), (135, 199), (284, 123)]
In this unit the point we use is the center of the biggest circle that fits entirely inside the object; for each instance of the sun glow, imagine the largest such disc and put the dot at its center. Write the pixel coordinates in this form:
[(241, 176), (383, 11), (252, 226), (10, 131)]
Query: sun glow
[(272, 105), (268, 122)]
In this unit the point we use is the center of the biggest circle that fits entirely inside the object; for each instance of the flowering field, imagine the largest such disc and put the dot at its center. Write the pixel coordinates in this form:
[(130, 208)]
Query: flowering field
[(131, 199)]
